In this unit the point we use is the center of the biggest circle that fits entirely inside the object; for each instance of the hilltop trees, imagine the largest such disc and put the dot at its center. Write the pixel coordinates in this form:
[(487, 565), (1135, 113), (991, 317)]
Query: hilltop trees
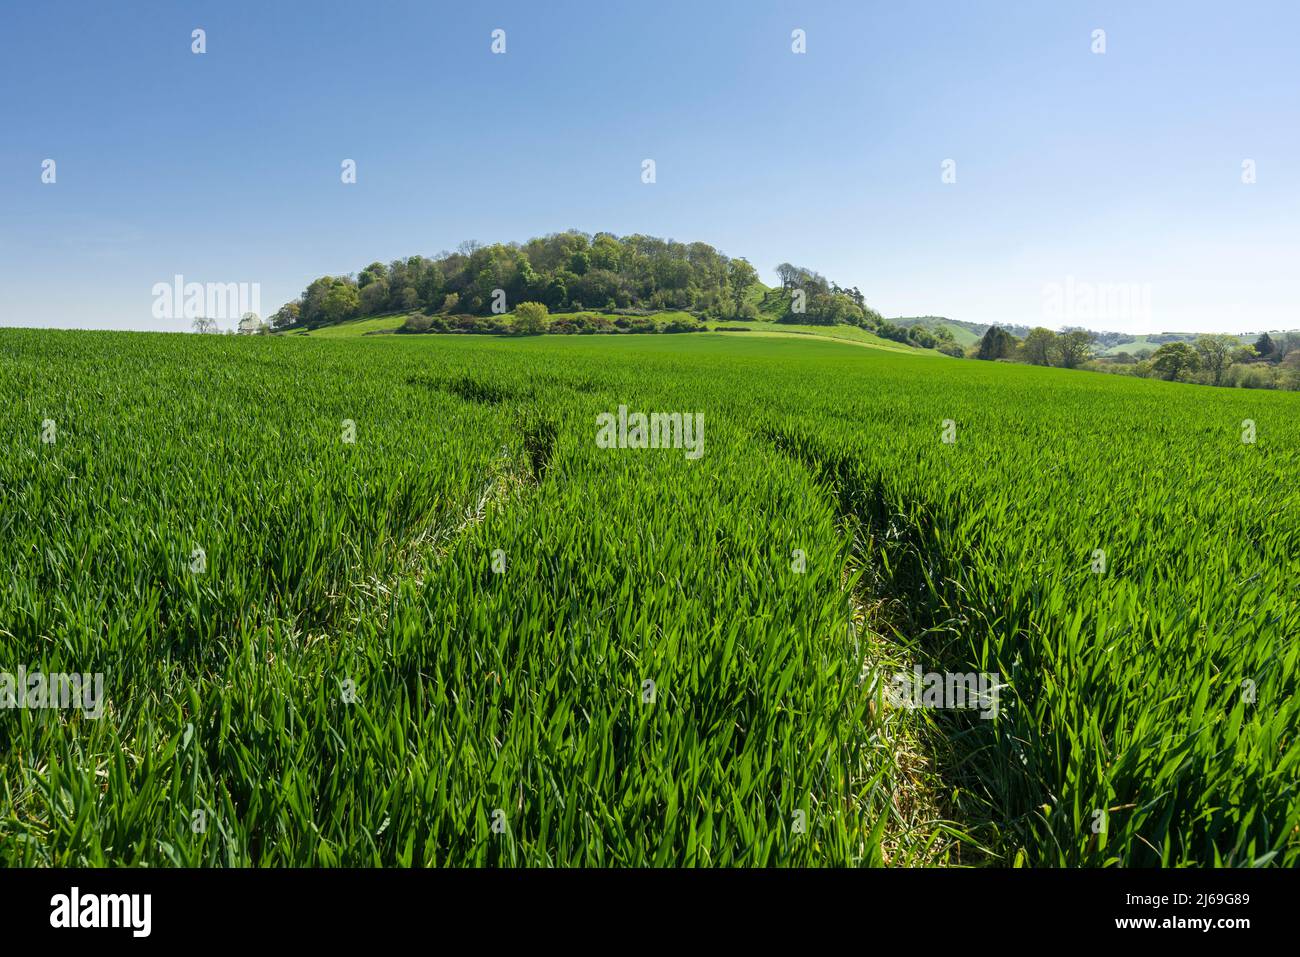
[(571, 275), (830, 308), (809, 297), (562, 271), (573, 272)]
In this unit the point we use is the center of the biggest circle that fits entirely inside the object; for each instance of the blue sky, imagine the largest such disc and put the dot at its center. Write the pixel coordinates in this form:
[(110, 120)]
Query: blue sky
[(1074, 170)]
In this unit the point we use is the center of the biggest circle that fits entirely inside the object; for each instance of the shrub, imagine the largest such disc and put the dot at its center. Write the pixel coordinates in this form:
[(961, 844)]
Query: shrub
[(530, 319), (683, 325), (1254, 376)]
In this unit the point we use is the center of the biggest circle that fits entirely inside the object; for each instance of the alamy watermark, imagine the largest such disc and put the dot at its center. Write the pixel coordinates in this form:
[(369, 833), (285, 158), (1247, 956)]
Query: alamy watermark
[(74, 909), (658, 430), (35, 691), (210, 300), (1073, 301), (977, 691)]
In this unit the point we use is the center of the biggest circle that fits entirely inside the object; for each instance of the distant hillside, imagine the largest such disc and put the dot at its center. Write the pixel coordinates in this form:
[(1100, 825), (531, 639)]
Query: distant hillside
[(963, 333), (573, 272), (1109, 343), (1119, 342)]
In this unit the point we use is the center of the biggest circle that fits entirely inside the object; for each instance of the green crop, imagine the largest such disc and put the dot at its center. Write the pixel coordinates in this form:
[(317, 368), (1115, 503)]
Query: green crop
[(384, 601)]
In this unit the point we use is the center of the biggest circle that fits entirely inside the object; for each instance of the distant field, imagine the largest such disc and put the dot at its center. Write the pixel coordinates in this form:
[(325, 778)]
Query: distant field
[(960, 334), (852, 334), (1143, 342), (436, 623), (357, 327), (1139, 342), (361, 327)]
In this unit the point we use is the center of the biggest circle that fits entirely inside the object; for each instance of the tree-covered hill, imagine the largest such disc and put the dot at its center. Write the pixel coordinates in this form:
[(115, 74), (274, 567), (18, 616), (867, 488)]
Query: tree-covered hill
[(569, 271), (572, 272)]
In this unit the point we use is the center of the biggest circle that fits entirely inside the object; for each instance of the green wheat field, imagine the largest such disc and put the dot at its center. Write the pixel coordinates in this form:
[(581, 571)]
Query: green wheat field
[(432, 622)]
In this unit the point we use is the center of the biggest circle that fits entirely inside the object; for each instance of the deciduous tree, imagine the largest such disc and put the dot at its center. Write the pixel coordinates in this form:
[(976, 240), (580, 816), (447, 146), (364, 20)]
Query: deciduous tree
[(1074, 348), (1215, 353), (1039, 346), (1174, 360)]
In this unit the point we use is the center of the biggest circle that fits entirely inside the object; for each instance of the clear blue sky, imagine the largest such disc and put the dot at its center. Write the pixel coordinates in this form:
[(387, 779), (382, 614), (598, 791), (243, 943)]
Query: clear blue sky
[(1119, 168)]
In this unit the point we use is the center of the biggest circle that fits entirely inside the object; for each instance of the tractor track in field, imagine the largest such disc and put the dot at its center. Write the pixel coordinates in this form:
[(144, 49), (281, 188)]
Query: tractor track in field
[(882, 626), (512, 476)]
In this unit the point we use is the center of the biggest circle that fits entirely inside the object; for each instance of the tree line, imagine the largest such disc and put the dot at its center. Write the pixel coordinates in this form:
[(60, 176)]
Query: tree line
[(1221, 360), (566, 272)]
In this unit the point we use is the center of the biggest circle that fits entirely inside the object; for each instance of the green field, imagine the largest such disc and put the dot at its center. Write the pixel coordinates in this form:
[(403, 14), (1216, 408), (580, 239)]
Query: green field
[(960, 334), (839, 333), (433, 644), (844, 333), (356, 327)]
